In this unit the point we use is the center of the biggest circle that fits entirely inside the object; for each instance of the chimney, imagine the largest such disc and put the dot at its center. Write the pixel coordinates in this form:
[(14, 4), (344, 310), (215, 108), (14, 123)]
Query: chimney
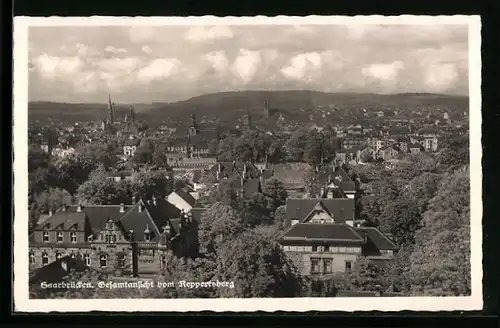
[(139, 208), (329, 178), (133, 199), (122, 208), (219, 168), (365, 237), (64, 207), (79, 208), (245, 170), (322, 192), (154, 200), (50, 212)]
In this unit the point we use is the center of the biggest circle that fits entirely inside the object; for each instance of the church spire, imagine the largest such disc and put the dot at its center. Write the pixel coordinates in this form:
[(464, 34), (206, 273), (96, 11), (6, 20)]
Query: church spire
[(111, 110)]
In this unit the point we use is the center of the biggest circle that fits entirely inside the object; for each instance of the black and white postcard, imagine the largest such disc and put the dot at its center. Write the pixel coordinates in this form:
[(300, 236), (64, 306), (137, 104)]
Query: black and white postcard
[(247, 163)]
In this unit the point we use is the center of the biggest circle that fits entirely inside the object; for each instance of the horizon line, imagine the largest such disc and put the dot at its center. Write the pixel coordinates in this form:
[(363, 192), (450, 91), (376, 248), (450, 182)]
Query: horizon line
[(270, 91)]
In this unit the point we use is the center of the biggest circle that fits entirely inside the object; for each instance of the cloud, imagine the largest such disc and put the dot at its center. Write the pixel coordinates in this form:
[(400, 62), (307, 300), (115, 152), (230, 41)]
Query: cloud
[(441, 77), (204, 34), (85, 63), (146, 49), (114, 50), (246, 64), (217, 60), (51, 67), (302, 66), (383, 71), (159, 69)]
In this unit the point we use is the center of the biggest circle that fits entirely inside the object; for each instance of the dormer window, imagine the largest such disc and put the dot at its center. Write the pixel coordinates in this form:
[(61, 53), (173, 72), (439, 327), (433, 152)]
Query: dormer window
[(109, 224), (45, 237), (32, 258), (90, 238), (73, 237), (60, 236), (58, 256)]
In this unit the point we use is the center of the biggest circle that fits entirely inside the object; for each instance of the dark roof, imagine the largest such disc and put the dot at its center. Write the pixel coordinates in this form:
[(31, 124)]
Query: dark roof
[(338, 176), (97, 215), (229, 169), (186, 197), (342, 209), (64, 220), (326, 231), (139, 221), (250, 187), (57, 270), (377, 238)]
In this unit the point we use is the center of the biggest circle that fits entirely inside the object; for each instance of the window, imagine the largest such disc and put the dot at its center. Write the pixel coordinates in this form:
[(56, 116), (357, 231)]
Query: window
[(45, 258), (46, 238), (60, 237), (122, 260), (73, 255), (314, 265), (86, 258), (32, 258), (348, 266), (90, 238), (315, 248), (73, 237), (326, 248), (109, 225), (327, 265), (58, 256), (147, 236), (103, 260), (110, 239)]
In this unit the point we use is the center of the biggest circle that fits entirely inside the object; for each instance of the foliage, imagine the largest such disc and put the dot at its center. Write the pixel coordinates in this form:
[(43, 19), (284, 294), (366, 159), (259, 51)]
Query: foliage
[(258, 268), (366, 276), (151, 183), (52, 199), (274, 189), (74, 170), (100, 189), (441, 260)]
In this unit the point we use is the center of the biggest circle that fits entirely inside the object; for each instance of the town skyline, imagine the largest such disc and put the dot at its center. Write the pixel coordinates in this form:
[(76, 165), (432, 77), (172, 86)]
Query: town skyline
[(173, 63)]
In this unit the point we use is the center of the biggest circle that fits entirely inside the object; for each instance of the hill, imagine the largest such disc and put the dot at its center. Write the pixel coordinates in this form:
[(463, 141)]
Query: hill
[(229, 106)]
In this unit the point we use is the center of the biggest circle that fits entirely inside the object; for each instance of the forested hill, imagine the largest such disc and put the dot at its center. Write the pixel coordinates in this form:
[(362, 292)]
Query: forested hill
[(231, 105)]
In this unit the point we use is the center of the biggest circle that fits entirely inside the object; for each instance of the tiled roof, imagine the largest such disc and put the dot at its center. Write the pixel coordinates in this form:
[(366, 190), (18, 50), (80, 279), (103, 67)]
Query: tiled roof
[(290, 174), (138, 222), (342, 209), (64, 220), (97, 215), (325, 231), (377, 238)]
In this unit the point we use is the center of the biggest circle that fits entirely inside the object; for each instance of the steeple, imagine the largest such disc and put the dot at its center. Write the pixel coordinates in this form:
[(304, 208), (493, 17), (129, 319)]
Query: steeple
[(111, 110), (131, 114)]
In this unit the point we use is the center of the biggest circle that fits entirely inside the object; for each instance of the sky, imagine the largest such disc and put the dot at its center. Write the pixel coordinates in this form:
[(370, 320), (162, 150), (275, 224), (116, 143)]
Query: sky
[(142, 64)]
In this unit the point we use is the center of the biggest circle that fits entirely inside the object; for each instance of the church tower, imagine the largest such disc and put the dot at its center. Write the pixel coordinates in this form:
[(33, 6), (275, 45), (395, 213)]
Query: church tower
[(267, 106), (193, 129), (111, 111)]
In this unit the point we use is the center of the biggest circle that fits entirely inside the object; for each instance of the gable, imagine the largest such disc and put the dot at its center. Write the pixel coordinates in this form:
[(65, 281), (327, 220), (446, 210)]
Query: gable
[(318, 214)]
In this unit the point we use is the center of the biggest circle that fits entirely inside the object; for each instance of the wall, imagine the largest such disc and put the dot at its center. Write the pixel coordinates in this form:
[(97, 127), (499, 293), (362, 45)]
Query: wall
[(38, 236), (303, 260)]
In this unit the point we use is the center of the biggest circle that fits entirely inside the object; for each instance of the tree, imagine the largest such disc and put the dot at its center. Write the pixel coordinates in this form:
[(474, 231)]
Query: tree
[(144, 152), (258, 267), (151, 183), (366, 276), (311, 183), (37, 158), (74, 170), (256, 210), (441, 260), (454, 152), (100, 189), (52, 199), (34, 216), (276, 191), (402, 216), (218, 224)]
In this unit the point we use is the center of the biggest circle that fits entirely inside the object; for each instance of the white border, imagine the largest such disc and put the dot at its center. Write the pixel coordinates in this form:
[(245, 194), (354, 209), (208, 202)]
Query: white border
[(24, 304)]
